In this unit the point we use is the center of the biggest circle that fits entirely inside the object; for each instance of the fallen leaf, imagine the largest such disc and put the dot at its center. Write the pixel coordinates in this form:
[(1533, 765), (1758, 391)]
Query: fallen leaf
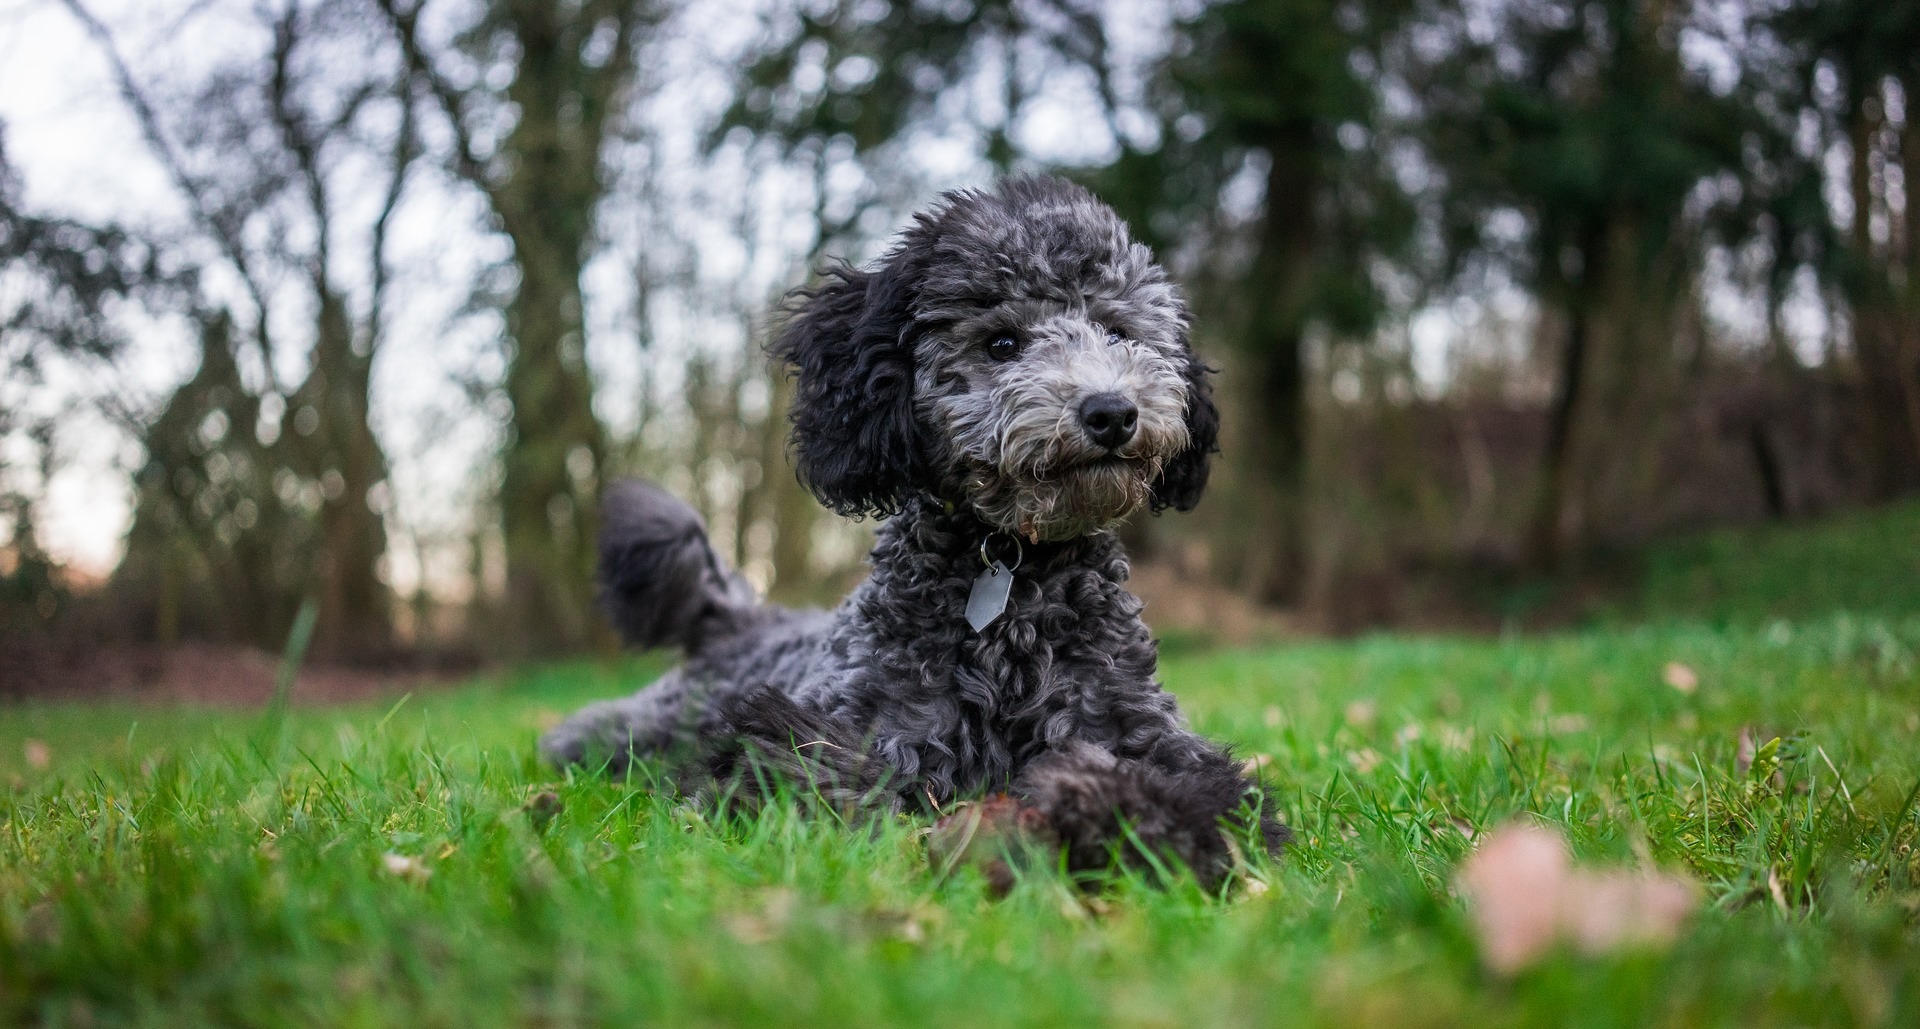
[(1680, 677), (984, 834), (1565, 724), (1778, 891), (775, 913), (541, 809), (1361, 713), (407, 867), (1610, 910), (38, 755), (1454, 738), (1254, 765), (1513, 884), (1526, 897)]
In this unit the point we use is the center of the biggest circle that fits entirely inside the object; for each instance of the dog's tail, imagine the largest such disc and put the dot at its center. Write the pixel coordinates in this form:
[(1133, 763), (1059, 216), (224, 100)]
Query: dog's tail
[(661, 582)]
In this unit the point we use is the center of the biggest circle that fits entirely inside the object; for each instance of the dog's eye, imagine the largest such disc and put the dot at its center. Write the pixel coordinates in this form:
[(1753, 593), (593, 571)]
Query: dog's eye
[(1114, 338), (1006, 348)]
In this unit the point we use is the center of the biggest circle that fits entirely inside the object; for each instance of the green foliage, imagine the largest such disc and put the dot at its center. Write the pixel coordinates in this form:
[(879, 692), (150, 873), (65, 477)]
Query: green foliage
[(387, 865), (1864, 562), (1582, 117)]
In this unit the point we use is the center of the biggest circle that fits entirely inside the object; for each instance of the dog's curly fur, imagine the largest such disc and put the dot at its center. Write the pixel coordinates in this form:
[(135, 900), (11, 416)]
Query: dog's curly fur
[(948, 390)]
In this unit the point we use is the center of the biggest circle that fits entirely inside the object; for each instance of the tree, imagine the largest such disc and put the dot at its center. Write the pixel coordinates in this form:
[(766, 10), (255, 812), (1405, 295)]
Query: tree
[(1571, 141), (60, 283), (1290, 91), (1855, 70), (1263, 87), (570, 66), (271, 140)]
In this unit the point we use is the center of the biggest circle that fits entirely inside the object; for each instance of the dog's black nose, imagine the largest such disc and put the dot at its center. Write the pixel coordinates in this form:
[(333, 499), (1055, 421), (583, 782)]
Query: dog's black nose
[(1109, 419)]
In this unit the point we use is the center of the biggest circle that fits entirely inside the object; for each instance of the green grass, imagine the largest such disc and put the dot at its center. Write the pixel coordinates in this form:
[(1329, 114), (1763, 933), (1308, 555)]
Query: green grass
[(192, 867), (1862, 561)]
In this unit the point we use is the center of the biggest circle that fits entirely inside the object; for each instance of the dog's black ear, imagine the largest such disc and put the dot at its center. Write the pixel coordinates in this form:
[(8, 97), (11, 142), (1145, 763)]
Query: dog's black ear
[(1185, 476), (856, 443)]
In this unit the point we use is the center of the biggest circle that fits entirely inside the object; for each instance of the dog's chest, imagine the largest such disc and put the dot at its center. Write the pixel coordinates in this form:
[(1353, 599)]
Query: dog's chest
[(1066, 640)]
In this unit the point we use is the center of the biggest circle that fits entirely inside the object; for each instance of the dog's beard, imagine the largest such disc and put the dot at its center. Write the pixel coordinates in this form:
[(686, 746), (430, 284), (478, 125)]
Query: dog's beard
[(1073, 502)]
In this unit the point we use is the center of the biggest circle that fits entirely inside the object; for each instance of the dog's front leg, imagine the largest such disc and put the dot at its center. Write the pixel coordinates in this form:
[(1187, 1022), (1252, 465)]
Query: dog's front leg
[(1101, 807)]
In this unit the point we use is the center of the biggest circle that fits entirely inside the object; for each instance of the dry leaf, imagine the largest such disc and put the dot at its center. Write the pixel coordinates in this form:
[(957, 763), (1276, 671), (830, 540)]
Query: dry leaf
[(38, 755), (1611, 910), (1565, 724), (412, 869), (1526, 897), (776, 911), (1361, 713), (1778, 891), (984, 834), (541, 809), (1513, 883), (1680, 677), (1253, 766)]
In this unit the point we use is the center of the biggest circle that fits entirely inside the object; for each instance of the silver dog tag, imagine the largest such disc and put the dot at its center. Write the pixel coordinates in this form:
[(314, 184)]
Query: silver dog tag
[(988, 598)]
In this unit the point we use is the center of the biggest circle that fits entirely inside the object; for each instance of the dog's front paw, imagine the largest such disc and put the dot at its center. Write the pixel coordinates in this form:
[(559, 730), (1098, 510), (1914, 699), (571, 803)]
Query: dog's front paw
[(1105, 809)]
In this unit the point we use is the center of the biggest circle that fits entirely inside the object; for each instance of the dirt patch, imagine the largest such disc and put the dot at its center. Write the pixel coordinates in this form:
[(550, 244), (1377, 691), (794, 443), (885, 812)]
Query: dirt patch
[(194, 673), (1206, 612)]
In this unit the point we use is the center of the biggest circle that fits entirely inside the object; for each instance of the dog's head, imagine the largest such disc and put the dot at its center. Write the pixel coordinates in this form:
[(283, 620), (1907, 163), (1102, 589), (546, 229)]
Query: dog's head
[(1016, 353)]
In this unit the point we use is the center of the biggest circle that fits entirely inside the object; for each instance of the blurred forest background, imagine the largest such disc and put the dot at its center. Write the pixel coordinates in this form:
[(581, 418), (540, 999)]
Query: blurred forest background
[(1498, 289)]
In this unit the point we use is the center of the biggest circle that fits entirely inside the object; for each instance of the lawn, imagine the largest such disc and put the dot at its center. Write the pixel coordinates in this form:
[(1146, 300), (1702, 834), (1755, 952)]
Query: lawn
[(382, 865)]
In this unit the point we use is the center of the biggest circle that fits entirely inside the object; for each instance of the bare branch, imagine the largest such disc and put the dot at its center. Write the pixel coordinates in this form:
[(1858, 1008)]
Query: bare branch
[(405, 149), (225, 235), (406, 27), (297, 136)]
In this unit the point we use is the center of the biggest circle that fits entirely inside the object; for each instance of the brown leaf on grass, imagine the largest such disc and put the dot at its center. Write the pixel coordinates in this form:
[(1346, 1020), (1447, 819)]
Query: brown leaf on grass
[(1513, 883), (1361, 714), (1680, 677), (1526, 897), (775, 912), (541, 809), (407, 867), (38, 755), (1744, 749), (984, 834)]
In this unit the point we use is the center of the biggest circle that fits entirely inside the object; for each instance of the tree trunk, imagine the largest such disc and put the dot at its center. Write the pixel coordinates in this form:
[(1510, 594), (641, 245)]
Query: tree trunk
[(1278, 287), (551, 463), (1552, 528), (344, 456), (556, 448), (1884, 338)]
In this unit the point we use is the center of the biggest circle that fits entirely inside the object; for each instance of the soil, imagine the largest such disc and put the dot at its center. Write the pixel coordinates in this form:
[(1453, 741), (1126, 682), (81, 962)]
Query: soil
[(218, 675), (1180, 609), (1178, 605)]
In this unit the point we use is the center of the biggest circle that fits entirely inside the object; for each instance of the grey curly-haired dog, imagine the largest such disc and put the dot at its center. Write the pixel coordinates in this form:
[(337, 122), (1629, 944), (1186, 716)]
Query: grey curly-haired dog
[(1009, 382)]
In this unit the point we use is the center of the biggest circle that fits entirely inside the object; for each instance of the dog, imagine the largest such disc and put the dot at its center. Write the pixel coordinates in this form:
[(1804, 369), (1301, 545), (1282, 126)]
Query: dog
[(1008, 383)]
